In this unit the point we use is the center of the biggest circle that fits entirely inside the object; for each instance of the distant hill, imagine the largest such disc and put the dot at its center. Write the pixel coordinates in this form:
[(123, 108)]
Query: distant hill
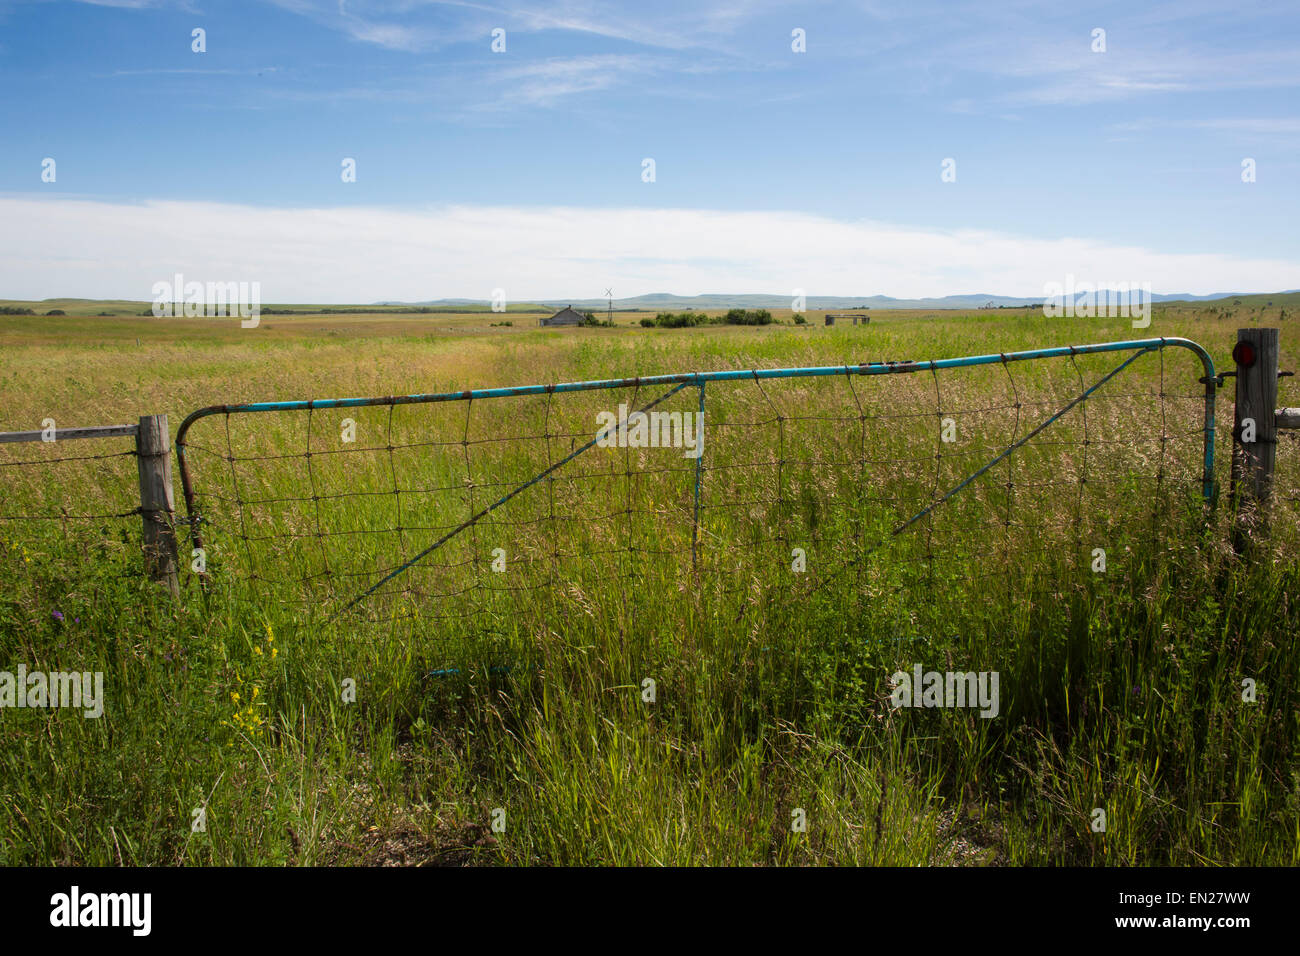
[(664, 301)]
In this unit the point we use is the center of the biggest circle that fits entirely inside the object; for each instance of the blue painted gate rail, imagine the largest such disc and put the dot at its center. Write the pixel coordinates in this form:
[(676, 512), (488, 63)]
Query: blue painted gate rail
[(679, 381)]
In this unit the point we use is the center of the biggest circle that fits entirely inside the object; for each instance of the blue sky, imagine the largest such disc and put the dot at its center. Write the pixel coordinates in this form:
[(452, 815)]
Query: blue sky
[(1128, 159)]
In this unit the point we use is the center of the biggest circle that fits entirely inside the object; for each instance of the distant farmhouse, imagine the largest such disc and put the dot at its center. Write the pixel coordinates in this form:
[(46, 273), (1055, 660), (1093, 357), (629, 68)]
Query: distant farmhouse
[(566, 316)]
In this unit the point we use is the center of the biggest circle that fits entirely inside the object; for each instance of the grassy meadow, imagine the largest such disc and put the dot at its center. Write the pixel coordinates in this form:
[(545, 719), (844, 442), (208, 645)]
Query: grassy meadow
[(624, 686)]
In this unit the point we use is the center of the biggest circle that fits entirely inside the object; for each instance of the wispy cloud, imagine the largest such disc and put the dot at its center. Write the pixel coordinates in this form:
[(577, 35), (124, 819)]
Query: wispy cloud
[(253, 71), (593, 19), (123, 4), (413, 25), (1031, 54), (501, 86), (545, 82), (377, 24), (1260, 126), (389, 35)]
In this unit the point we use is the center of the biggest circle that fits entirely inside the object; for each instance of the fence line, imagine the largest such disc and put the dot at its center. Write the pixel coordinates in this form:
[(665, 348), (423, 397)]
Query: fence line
[(66, 434), (1253, 460)]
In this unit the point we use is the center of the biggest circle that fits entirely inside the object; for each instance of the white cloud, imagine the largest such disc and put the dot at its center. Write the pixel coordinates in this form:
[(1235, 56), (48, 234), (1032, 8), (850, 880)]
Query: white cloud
[(92, 249)]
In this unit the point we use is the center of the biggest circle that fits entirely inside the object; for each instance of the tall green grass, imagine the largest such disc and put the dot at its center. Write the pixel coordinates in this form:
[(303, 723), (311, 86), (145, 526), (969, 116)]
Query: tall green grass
[(1120, 690)]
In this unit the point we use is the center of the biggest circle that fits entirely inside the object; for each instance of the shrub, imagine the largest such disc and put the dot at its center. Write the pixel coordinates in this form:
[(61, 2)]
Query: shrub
[(746, 317), (679, 320), (691, 318)]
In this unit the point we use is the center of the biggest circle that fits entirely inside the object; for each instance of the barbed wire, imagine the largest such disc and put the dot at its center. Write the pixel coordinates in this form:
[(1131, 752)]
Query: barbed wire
[(96, 487), (45, 496)]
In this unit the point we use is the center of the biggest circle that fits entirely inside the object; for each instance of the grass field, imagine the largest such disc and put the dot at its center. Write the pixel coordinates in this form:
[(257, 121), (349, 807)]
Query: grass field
[(524, 691)]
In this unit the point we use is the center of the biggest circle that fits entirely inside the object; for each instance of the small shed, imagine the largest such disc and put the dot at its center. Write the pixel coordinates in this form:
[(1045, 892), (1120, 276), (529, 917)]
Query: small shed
[(566, 316), (832, 316)]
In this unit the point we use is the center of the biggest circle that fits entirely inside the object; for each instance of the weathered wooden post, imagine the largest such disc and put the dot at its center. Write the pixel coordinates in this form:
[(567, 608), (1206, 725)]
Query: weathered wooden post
[(1254, 431), (157, 506)]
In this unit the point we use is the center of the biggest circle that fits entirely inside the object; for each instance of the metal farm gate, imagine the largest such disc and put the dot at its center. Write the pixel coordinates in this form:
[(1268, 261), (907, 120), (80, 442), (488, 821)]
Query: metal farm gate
[(419, 516)]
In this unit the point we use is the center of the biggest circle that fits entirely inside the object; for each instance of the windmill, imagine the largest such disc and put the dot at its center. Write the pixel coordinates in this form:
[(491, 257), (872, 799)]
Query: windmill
[(609, 315)]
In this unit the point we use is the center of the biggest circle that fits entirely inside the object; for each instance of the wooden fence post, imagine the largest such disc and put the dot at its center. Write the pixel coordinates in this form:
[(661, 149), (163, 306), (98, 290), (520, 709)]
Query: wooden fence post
[(1254, 432), (157, 506)]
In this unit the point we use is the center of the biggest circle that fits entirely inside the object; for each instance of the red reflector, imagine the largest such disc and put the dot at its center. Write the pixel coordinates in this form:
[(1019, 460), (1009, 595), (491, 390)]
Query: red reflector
[(1243, 353)]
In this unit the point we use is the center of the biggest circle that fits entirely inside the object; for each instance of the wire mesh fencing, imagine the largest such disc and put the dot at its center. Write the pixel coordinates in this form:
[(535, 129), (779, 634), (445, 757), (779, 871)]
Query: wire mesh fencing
[(498, 509)]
